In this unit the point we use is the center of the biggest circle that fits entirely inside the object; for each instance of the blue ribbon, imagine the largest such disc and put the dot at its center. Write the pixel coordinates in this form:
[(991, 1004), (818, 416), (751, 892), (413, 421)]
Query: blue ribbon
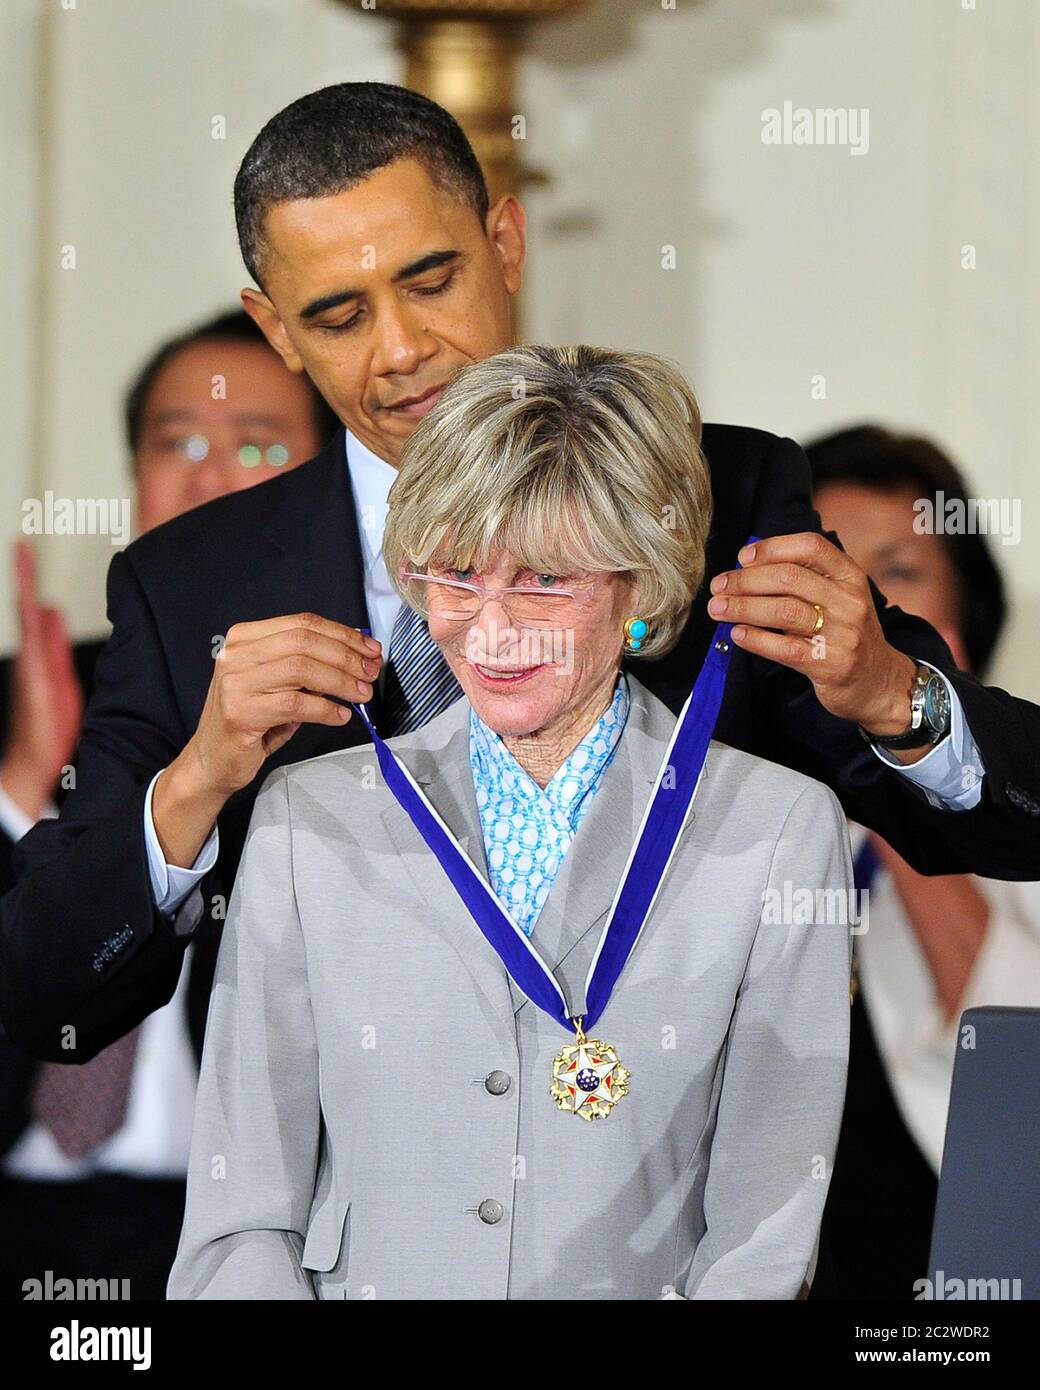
[(865, 866), (662, 824)]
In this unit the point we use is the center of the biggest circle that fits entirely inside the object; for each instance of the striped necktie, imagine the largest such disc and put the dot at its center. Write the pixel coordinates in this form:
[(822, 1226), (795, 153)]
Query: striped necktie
[(419, 682)]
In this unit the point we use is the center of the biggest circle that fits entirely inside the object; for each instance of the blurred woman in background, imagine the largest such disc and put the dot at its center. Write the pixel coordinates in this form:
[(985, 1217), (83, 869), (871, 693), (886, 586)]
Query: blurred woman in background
[(934, 946)]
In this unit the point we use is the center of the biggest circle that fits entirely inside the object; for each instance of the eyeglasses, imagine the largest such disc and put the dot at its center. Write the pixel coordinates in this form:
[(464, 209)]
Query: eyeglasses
[(196, 448), (457, 600)]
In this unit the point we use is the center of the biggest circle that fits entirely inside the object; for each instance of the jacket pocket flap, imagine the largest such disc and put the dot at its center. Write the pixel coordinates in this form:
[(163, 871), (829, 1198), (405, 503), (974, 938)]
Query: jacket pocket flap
[(325, 1236)]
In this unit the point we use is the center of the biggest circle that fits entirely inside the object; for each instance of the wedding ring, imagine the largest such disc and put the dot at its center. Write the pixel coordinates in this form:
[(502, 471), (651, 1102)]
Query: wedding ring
[(819, 619)]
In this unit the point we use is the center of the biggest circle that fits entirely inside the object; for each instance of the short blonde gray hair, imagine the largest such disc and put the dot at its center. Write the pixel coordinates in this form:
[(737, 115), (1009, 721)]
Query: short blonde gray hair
[(570, 458)]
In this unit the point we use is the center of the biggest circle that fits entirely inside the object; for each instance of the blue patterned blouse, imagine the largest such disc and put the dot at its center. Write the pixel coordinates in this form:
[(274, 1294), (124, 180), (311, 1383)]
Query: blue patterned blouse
[(528, 829)]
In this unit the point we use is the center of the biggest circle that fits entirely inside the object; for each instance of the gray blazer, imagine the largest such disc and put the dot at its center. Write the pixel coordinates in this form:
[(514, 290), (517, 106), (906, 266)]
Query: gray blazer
[(374, 1117)]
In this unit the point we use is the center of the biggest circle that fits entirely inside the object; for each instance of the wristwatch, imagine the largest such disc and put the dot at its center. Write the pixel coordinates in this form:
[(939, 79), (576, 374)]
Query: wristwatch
[(929, 714)]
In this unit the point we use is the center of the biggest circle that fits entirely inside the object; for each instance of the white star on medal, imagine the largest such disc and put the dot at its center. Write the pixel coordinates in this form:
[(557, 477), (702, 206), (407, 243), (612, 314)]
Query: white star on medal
[(587, 1062)]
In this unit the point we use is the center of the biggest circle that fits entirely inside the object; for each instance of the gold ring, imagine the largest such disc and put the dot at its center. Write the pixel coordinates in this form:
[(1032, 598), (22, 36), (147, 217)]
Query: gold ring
[(819, 620)]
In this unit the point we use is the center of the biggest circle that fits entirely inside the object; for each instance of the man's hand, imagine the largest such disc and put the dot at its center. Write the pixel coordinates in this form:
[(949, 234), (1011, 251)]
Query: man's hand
[(856, 673), (269, 678), (46, 699)]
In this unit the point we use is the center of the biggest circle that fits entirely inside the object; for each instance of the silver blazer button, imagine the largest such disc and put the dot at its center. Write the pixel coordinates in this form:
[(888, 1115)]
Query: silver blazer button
[(490, 1211)]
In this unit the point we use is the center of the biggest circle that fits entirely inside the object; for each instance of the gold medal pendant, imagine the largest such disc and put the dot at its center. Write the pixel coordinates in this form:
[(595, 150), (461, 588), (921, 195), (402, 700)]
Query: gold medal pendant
[(588, 1078)]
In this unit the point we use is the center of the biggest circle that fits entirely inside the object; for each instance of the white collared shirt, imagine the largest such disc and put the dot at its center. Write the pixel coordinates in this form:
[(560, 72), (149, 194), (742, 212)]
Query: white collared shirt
[(370, 480), (916, 1042)]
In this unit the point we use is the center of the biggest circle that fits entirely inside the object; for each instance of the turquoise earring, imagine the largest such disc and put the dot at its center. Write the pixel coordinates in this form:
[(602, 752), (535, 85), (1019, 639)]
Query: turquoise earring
[(635, 632)]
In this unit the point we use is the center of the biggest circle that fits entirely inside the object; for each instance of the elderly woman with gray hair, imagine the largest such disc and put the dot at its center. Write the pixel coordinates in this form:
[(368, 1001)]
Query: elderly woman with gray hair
[(505, 1006)]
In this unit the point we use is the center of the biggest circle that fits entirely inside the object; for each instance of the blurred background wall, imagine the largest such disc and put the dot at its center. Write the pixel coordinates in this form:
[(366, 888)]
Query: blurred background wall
[(811, 287)]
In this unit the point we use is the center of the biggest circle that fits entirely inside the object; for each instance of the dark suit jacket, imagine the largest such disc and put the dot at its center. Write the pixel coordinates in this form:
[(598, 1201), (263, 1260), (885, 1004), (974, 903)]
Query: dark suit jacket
[(877, 1223), (17, 1071), (81, 942)]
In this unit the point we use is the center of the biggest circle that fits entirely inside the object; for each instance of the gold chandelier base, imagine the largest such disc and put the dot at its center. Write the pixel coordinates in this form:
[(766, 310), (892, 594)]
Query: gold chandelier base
[(463, 55)]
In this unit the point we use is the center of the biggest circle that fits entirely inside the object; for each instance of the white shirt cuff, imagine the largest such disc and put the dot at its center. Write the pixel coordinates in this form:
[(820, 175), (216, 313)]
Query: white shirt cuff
[(13, 820), (951, 774), (170, 883)]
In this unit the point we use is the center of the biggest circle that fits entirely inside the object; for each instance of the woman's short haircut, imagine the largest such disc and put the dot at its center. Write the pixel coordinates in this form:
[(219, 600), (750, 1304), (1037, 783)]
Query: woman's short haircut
[(573, 459), (335, 138), (872, 457)]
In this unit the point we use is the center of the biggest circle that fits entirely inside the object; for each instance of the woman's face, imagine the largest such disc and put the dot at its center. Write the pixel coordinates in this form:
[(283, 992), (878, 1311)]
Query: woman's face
[(912, 569), (522, 680)]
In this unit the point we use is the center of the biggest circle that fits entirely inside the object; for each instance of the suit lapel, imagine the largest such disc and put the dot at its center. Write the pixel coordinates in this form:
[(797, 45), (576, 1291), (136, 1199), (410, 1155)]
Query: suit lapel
[(584, 889), (324, 575), (437, 756), (321, 509)]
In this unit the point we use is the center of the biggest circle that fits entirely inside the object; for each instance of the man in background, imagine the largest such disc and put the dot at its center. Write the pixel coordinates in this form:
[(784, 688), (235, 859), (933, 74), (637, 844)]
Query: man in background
[(92, 1159), (212, 411)]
